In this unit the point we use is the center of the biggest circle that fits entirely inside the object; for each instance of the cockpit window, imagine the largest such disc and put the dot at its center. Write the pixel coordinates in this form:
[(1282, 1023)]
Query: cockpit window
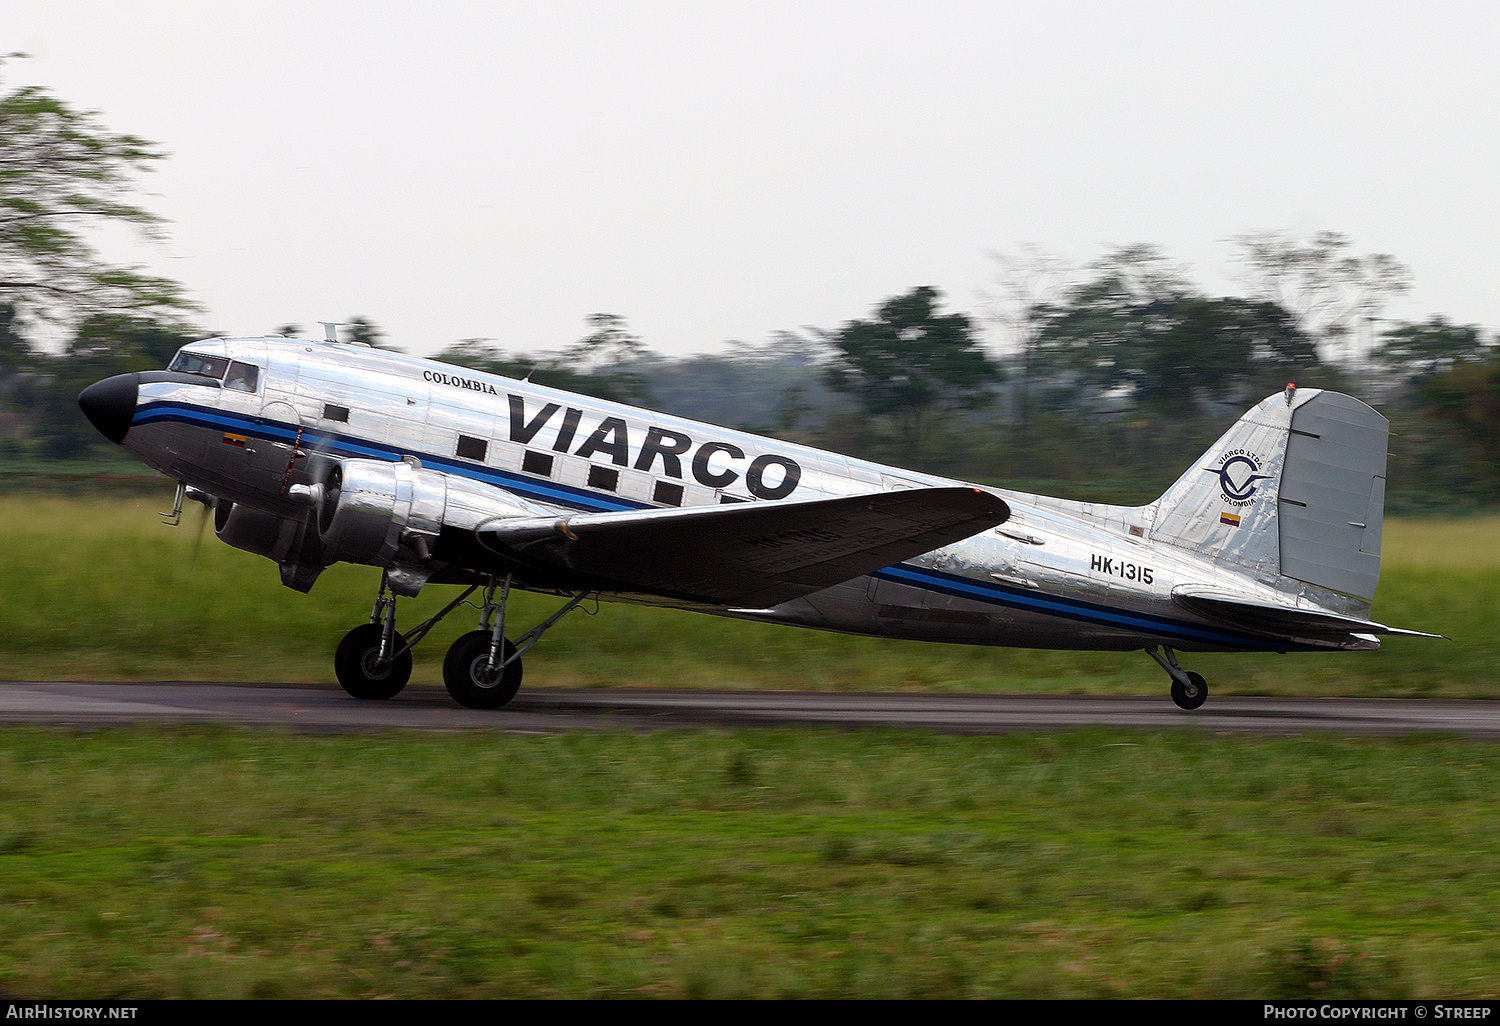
[(242, 376), (193, 363)]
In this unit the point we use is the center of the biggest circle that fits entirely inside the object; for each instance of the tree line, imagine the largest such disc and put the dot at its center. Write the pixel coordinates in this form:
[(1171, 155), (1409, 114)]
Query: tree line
[(1104, 378)]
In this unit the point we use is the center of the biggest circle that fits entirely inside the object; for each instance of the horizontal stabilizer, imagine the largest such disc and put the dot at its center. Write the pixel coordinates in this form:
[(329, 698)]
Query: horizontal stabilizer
[(759, 554), (1284, 621)]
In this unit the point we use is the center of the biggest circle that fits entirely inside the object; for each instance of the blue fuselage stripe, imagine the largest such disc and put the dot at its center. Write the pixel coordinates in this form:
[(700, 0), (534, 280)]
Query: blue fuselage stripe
[(1051, 605), (344, 445)]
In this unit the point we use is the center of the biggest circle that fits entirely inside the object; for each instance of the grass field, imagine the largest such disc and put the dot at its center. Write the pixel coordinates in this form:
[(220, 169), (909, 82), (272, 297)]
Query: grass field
[(217, 863), (97, 588)]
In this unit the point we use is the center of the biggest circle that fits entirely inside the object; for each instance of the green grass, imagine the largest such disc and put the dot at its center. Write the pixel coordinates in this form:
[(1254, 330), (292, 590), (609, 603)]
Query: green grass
[(216, 863), (108, 474), (97, 588)]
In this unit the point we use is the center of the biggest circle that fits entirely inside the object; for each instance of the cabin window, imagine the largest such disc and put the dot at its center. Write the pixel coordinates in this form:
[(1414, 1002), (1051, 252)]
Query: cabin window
[(668, 494), (338, 413), (607, 478), (194, 363), (242, 377), (537, 463), (472, 448)]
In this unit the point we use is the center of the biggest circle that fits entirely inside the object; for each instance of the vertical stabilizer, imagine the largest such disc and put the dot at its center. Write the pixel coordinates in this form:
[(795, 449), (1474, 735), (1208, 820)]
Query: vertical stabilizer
[(1295, 488), (1224, 505)]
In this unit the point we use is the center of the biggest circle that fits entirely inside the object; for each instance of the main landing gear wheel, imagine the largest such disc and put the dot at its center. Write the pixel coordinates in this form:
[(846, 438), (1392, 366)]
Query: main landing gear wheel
[(1192, 694), (469, 680), (1189, 690), (359, 669)]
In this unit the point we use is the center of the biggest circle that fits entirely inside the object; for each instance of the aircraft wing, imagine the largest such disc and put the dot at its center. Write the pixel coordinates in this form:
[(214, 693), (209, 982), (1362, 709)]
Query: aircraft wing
[(745, 554), (1288, 621)]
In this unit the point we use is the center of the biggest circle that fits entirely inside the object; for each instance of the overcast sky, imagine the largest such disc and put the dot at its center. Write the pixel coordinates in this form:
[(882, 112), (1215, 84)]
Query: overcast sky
[(721, 170)]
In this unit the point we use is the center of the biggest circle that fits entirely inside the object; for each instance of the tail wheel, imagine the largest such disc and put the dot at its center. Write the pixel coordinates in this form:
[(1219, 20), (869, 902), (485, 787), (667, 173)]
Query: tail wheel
[(468, 679), (357, 664), (1192, 694)]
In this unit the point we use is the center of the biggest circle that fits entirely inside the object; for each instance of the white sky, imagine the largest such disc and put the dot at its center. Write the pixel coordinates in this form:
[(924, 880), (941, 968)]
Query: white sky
[(722, 170)]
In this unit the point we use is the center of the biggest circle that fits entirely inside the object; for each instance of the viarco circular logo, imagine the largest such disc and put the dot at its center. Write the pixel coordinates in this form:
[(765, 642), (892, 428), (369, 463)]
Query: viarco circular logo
[(1239, 476)]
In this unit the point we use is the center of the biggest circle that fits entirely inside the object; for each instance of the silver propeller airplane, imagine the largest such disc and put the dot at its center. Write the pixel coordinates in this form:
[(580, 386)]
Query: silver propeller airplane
[(311, 453)]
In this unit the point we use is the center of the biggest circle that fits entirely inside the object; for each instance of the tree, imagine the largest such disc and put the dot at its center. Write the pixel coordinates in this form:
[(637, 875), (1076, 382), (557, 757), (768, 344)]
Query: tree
[(1467, 398), (20, 384), (478, 354), (775, 387), (1221, 350), (364, 330), (1138, 331), (15, 352), (63, 173), (128, 343), (1026, 286), (1332, 296), (912, 364), (610, 344), (600, 364), (104, 345), (1098, 339), (1418, 350)]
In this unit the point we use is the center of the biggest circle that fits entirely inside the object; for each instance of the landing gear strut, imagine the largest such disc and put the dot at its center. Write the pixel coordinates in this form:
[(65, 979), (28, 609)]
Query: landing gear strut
[(373, 660), (1189, 690), (482, 669)]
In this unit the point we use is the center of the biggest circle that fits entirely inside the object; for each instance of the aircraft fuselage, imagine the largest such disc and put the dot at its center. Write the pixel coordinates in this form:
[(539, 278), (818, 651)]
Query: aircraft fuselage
[(1056, 574)]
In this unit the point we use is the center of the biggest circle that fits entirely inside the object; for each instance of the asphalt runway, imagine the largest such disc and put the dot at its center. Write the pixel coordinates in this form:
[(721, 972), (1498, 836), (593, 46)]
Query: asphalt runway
[(327, 709)]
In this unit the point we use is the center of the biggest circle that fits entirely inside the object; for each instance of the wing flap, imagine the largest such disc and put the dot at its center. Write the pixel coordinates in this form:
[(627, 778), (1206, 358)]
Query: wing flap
[(1287, 621), (745, 554)]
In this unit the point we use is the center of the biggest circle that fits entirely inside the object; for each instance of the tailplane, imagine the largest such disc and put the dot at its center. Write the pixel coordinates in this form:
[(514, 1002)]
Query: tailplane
[(1296, 489)]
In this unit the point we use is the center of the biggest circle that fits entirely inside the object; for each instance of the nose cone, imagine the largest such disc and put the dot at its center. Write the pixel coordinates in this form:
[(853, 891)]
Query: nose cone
[(110, 405)]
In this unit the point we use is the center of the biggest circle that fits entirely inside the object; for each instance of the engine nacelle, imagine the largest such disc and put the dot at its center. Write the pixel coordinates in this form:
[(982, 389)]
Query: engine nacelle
[(291, 542), (368, 508), (381, 514), (265, 534)]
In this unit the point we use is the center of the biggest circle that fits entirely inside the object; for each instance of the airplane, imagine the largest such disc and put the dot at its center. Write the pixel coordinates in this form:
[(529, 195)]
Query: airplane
[(315, 452)]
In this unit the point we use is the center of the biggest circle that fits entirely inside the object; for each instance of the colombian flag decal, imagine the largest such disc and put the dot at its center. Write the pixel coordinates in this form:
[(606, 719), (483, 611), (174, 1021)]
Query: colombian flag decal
[(1232, 519), (230, 439)]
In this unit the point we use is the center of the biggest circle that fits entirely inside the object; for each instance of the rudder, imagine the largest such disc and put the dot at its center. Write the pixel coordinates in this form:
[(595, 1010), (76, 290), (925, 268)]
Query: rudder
[(1332, 500)]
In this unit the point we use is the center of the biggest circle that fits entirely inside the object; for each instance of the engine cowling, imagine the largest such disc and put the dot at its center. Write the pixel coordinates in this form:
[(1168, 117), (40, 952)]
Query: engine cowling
[(369, 508), (382, 514), (293, 543), (265, 534)]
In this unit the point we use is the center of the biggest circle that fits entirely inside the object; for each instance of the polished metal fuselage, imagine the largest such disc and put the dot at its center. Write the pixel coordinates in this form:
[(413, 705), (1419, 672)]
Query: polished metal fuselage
[(1057, 574)]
